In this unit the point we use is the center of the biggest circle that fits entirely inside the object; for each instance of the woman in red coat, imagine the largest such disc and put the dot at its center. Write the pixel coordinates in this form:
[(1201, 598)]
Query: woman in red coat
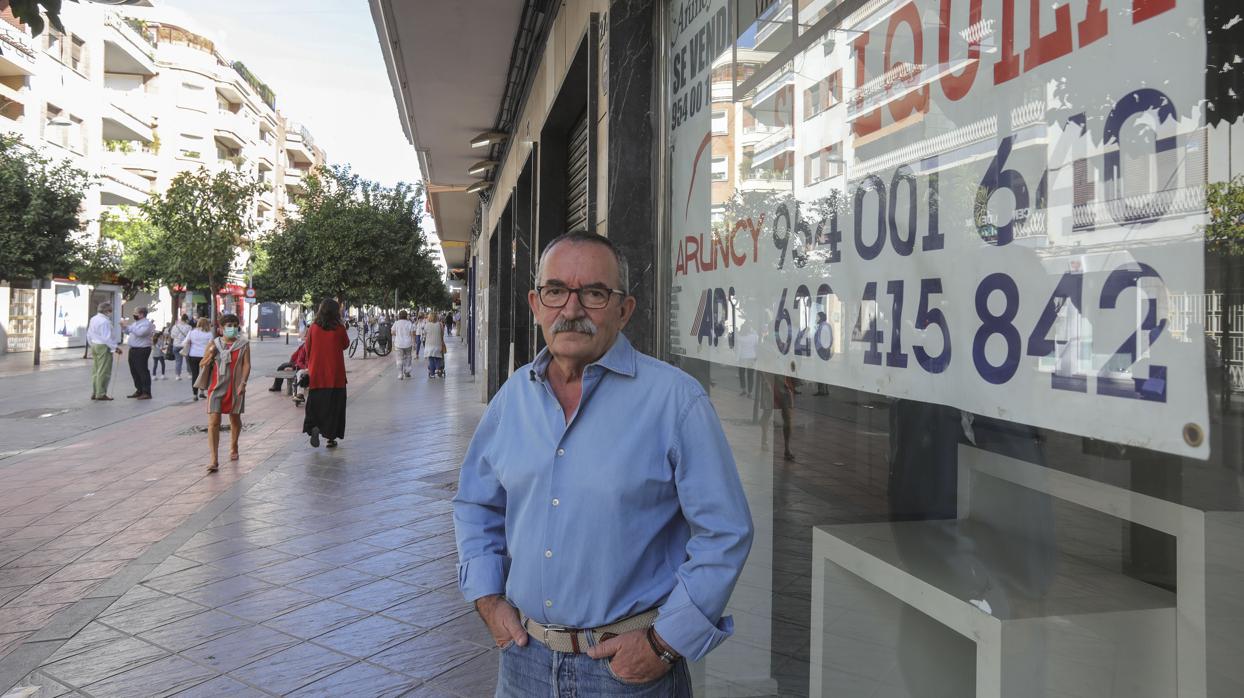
[(326, 343)]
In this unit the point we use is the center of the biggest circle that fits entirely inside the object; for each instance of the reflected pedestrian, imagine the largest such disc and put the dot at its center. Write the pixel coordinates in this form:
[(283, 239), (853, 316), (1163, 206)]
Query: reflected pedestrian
[(140, 330), (403, 342), (177, 333), (159, 352), (434, 344), (194, 348), (326, 394), (103, 343), (228, 363)]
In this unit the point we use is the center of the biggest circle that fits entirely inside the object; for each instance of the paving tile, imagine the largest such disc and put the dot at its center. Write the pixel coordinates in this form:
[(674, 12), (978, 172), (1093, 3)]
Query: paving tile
[(83, 540), (359, 680), (150, 616), (104, 661), (25, 576), (469, 627), (395, 538), (251, 560), (436, 547), (163, 677), (185, 580), (477, 677), (190, 632), (115, 551), (310, 543), (430, 610), (428, 690), (222, 687), (367, 637), (10, 641), (39, 685), (228, 652), (333, 582), (433, 575), (16, 619), (427, 655), (226, 591), (48, 592), (171, 564), (287, 671), (94, 635), (316, 619), (88, 570), (388, 563), (291, 571), (136, 596), (269, 604), (377, 596), (43, 557), (218, 550), (345, 553)]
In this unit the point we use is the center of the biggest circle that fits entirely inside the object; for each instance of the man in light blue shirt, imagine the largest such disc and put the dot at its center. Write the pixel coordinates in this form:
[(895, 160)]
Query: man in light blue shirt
[(599, 510)]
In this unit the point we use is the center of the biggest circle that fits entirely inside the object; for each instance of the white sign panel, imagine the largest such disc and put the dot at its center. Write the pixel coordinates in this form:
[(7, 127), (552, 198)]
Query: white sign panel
[(998, 217)]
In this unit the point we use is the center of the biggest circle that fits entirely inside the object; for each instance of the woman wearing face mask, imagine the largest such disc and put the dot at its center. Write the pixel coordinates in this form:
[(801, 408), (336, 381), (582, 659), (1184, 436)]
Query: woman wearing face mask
[(228, 359)]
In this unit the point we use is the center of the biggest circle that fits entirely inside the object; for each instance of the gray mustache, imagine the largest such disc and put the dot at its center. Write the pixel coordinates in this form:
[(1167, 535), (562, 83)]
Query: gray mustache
[(582, 325)]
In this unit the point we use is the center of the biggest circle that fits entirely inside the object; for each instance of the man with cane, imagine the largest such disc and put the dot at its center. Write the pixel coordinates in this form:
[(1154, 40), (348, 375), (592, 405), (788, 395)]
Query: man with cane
[(103, 345)]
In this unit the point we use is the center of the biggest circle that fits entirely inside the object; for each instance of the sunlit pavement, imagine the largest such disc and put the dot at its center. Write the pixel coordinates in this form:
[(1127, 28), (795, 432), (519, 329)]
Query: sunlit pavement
[(125, 571)]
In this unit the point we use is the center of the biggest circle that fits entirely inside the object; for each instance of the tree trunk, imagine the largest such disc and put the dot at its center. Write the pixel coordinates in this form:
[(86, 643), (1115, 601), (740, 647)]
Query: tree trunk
[(211, 301)]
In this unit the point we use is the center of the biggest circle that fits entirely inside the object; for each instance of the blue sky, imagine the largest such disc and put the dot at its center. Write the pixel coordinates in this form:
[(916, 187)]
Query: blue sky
[(323, 60)]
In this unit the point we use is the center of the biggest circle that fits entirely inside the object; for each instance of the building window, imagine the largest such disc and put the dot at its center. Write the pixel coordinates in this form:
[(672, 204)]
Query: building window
[(69, 49), (64, 129), (823, 95), (720, 169), (823, 164), (721, 123)]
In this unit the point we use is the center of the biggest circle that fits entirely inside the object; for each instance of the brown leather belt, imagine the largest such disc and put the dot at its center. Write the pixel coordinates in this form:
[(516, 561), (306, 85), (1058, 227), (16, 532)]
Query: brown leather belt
[(560, 638)]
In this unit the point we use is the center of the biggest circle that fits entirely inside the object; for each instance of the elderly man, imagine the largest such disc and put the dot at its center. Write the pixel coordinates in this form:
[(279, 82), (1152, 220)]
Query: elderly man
[(102, 342), (141, 330), (599, 511)]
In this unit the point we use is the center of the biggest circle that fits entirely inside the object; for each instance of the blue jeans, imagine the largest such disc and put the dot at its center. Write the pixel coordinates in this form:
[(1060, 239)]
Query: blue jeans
[(535, 671), (435, 363)]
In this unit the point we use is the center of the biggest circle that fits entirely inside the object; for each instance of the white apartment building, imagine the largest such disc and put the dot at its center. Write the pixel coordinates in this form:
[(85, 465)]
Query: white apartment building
[(135, 101)]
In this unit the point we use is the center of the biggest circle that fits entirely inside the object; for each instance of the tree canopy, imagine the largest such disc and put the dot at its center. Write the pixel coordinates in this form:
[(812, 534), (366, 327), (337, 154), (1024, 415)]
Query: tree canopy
[(39, 204), (352, 239)]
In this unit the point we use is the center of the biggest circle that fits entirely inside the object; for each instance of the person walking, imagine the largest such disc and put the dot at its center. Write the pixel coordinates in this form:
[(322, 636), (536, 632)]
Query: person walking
[(194, 348), (420, 321), (141, 331), (103, 344), (597, 433), (434, 345), (449, 324), (228, 359), (177, 334), (404, 343), (160, 348), (326, 392)]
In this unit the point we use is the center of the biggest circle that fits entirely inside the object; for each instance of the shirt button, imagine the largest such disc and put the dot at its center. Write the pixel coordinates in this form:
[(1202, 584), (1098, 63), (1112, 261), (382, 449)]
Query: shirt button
[(548, 603), (556, 502), (561, 451), (548, 553)]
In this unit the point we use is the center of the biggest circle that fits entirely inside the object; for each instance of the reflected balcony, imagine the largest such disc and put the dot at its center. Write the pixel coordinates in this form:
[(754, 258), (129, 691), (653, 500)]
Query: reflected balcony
[(126, 50), (17, 51)]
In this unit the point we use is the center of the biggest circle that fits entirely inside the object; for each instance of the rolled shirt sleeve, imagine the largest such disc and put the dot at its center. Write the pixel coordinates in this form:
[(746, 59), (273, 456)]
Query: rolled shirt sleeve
[(711, 497), (479, 516)]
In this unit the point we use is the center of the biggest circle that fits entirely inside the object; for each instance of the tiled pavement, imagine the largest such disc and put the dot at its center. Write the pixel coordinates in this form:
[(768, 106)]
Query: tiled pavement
[(320, 573)]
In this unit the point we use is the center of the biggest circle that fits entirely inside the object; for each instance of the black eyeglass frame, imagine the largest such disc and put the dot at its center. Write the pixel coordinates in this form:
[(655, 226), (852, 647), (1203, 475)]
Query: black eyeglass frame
[(579, 292)]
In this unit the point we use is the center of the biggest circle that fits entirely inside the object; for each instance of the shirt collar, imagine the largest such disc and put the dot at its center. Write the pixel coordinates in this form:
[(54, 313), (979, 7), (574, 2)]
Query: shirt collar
[(621, 359)]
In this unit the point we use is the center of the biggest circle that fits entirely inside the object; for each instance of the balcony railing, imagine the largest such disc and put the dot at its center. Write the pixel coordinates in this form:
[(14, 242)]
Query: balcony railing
[(135, 36)]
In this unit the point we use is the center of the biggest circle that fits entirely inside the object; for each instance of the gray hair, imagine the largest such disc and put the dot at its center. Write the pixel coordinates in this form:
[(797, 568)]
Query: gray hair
[(104, 307), (624, 280), (142, 311)]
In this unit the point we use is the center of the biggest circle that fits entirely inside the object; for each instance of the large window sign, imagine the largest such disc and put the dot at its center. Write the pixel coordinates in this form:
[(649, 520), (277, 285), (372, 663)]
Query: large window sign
[(996, 205)]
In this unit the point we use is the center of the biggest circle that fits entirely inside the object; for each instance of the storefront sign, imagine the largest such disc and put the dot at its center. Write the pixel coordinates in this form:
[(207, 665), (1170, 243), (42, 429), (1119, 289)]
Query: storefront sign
[(1017, 229)]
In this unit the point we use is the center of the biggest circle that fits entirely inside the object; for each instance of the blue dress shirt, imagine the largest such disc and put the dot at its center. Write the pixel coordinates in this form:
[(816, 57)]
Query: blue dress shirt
[(634, 503)]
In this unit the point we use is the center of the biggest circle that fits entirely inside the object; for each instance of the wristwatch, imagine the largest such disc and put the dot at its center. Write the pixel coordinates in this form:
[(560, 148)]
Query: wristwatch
[(664, 655)]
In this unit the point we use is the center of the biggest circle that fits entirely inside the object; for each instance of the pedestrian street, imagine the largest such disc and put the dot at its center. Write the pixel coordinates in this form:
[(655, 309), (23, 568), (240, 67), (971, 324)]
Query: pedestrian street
[(126, 570)]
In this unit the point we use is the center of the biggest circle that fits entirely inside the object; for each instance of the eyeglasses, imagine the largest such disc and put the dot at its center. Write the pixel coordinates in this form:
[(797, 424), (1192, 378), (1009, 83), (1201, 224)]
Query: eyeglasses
[(591, 297)]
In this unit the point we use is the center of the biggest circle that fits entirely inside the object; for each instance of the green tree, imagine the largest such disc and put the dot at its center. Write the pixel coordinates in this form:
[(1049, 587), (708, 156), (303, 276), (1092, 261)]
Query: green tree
[(140, 265), (203, 220), (39, 204), (354, 240), (1225, 202)]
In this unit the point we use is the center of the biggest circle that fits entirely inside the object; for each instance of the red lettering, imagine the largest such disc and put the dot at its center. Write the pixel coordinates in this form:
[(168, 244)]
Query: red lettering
[(956, 87), (866, 124), (680, 260), (708, 256), (756, 228), (1056, 44), (1007, 67), (918, 100), (739, 259), (1095, 24), (719, 243), (693, 254), (1148, 9)]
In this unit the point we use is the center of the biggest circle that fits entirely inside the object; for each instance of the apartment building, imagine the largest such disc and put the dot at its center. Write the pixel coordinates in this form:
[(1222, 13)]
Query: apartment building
[(135, 101)]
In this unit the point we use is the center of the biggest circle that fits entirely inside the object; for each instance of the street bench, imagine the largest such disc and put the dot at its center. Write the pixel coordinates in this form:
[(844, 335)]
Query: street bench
[(288, 376)]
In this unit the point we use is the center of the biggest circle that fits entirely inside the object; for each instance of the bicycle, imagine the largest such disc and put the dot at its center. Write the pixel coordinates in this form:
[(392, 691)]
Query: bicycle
[(372, 342)]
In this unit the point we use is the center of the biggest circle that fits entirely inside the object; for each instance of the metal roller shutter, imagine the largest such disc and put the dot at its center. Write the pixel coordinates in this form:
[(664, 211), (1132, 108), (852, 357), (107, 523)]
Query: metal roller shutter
[(577, 176)]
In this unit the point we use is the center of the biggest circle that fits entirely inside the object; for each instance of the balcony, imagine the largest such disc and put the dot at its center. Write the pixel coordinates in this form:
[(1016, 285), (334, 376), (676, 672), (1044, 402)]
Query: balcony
[(131, 156), (775, 30), (17, 51), (127, 117), (233, 129), (294, 180), (120, 187), (774, 103), (298, 142), (125, 49)]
